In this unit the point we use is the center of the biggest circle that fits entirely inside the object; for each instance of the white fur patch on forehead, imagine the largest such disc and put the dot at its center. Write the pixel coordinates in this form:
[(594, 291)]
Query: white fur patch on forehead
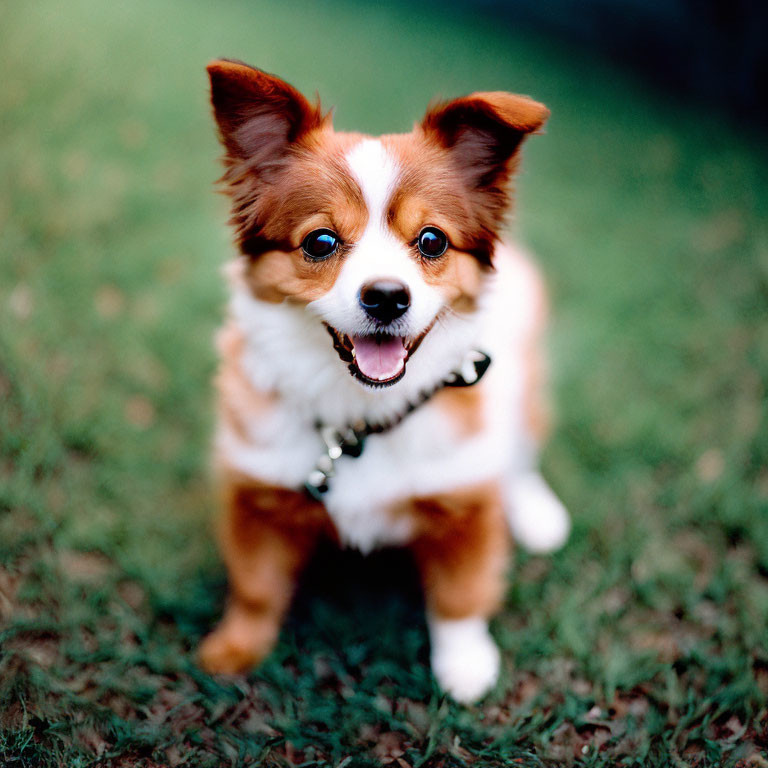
[(379, 253), (376, 171)]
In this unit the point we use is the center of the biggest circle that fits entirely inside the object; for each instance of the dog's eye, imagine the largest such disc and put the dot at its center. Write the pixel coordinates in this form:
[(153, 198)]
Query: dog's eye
[(320, 244), (432, 242)]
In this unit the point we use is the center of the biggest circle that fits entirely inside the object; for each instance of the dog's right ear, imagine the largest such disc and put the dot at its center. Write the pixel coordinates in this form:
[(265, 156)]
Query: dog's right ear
[(483, 133), (259, 115)]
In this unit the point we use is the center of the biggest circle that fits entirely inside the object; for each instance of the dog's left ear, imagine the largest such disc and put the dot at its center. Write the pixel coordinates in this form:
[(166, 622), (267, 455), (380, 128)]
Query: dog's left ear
[(483, 132), (258, 114)]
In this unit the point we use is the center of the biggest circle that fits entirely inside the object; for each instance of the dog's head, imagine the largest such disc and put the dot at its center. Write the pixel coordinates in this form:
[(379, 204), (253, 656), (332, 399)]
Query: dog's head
[(377, 237)]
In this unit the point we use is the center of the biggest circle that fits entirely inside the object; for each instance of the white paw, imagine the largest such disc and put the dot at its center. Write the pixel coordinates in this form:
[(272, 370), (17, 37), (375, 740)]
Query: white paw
[(465, 659), (537, 518)]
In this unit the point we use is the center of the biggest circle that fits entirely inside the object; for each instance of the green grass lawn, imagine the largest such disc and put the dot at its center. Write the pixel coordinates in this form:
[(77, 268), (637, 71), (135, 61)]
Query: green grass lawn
[(644, 642)]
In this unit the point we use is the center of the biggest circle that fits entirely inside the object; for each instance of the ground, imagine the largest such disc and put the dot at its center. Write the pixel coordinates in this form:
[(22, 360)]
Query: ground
[(642, 643)]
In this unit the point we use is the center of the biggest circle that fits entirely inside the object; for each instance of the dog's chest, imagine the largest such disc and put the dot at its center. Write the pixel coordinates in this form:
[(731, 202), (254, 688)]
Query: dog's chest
[(368, 527), (368, 496)]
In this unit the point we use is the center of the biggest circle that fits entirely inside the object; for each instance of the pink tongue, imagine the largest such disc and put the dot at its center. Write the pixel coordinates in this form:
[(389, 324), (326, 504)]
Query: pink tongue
[(379, 358)]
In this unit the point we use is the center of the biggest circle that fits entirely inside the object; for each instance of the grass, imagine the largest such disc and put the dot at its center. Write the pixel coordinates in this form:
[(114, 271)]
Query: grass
[(643, 643)]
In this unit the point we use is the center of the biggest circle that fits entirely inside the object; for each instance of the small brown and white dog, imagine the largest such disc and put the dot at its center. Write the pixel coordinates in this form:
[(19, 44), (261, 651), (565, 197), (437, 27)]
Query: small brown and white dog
[(380, 258)]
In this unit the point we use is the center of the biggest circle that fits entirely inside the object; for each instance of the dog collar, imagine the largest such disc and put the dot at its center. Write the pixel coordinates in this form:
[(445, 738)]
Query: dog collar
[(350, 441)]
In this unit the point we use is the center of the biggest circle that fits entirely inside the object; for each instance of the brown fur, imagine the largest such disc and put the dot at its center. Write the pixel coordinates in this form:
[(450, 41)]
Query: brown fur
[(316, 193), (239, 404), (463, 407), (461, 548), (536, 403), (481, 136), (266, 535)]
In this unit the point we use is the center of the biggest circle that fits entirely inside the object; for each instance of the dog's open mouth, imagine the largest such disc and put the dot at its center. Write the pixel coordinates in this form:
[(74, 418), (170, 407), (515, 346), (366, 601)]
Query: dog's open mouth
[(377, 359)]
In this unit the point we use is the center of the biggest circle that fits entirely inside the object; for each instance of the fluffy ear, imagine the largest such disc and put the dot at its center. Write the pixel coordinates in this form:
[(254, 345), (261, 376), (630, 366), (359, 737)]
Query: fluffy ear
[(259, 115), (483, 131)]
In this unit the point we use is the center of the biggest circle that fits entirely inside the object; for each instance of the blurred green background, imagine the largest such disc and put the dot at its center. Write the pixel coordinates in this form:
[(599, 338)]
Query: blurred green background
[(643, 641)]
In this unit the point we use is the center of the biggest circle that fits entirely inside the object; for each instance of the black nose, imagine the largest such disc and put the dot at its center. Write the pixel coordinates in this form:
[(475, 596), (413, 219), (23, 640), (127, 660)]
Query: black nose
[(385, 300)]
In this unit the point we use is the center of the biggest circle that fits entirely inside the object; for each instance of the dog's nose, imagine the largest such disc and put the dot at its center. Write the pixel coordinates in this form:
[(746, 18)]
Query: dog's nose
[(385, 300)]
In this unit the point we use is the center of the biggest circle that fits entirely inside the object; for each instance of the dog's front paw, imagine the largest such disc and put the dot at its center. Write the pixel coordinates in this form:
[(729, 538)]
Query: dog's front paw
[(465, 659), (537, 517), (238, 644)]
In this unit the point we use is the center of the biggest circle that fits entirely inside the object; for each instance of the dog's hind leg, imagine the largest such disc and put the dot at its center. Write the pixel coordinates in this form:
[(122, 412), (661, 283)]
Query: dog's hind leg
[(537, 518)]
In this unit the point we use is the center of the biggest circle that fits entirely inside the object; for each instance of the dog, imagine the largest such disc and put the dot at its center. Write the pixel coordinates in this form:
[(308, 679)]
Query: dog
[(381, 377)]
